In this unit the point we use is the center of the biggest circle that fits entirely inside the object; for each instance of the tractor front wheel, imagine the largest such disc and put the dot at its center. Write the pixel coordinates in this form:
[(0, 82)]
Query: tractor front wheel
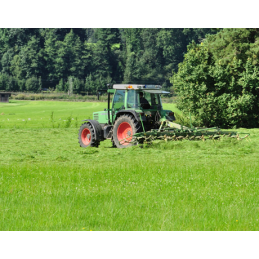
[(124, 129)]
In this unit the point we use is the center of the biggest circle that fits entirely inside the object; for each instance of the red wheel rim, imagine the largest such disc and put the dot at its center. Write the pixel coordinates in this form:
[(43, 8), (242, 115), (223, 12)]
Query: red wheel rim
[(86, 136), (124, 133)]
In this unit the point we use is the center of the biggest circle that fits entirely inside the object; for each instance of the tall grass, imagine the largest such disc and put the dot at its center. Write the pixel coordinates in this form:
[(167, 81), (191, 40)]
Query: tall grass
[(57, 96)]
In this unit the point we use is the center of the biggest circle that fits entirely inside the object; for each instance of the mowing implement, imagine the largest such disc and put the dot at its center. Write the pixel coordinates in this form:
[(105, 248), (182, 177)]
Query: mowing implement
[(136, 116)]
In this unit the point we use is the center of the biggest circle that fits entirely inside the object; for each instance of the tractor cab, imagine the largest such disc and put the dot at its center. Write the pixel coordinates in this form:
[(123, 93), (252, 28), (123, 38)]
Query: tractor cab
[(130, 96), (144, 100), (130, 99)]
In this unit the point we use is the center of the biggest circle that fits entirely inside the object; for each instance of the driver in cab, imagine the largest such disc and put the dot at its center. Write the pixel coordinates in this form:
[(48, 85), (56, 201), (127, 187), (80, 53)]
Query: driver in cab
[(143, 101)]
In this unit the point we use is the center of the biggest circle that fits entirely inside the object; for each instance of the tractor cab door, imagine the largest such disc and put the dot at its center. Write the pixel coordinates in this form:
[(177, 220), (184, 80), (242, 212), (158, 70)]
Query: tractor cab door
[(118, 102), (108, 112)]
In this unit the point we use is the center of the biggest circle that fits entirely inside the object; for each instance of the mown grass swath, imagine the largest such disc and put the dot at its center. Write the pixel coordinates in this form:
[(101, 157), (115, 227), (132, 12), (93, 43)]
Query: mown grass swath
[(49, 183)]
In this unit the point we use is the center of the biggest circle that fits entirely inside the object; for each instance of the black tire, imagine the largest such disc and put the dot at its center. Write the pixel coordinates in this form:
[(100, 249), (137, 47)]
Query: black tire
[(87, 137), (113, 143), (124, 127)]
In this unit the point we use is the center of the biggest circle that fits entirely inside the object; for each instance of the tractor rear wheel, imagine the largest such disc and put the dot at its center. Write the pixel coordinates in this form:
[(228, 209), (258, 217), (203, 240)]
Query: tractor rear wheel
[(123, 130), (86, 136)]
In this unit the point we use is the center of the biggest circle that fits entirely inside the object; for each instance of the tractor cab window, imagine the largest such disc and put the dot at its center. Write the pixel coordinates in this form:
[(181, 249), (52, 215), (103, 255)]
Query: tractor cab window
[(147, 96), (118, 100), (131, 99), (153, 99), (143, 100)]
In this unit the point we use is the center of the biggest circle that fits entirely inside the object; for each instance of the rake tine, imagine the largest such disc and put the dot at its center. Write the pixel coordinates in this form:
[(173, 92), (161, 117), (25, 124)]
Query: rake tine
[(177, 134)]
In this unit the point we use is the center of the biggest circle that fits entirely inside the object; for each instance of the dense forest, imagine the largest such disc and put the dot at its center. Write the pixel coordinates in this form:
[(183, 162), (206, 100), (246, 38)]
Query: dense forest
[(32, 59)]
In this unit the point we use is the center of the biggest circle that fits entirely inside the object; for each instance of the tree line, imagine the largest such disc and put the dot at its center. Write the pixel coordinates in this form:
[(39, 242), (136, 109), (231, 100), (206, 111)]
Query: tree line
[(32, 59)]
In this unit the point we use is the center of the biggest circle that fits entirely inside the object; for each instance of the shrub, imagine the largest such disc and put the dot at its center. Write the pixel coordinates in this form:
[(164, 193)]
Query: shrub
[(218, 80), (20, 96)]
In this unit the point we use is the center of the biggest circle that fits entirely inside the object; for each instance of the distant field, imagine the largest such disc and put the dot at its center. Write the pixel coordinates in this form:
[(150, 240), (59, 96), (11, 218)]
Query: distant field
[(38, 114), (47, 182)]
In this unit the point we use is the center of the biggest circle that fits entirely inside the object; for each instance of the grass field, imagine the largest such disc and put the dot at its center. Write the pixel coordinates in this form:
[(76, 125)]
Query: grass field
[(47, 182)]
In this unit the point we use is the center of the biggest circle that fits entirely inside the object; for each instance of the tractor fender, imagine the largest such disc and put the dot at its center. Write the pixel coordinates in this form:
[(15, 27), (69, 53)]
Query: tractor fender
[(98, 131), (121, 112)]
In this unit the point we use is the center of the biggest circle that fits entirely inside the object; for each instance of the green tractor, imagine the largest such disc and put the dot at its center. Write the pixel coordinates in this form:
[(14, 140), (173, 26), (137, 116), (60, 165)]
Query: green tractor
[(134, 109), (135, 116)]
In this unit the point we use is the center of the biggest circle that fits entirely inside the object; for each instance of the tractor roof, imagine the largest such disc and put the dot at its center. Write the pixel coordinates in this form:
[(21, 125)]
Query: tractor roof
[(137, 87), (154, 91)]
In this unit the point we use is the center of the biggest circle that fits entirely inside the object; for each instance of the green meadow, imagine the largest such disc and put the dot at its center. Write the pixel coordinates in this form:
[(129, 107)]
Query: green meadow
[(48, 182)]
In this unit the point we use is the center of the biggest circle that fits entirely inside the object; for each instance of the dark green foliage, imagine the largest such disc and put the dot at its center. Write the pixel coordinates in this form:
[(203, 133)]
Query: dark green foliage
[(152, 54), (92, 57), (33, 84), (218, 79), (60, 86), (3, 81), (107, 36), (31, 58), (8, 83), (78, 85)]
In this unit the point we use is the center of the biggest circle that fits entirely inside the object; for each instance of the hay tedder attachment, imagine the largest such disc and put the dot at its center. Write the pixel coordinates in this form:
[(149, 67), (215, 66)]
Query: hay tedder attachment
[(136, 116), (170, 131)]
